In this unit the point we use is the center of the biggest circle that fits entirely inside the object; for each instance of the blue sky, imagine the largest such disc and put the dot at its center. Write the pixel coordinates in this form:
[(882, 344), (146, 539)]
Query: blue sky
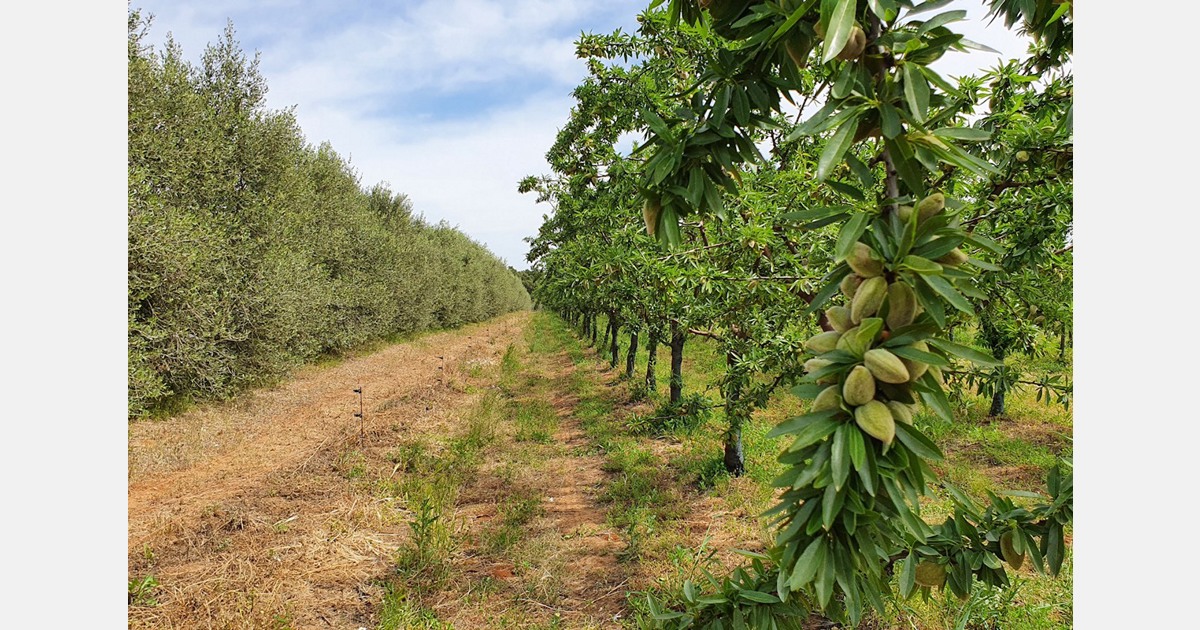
[(450, 102)]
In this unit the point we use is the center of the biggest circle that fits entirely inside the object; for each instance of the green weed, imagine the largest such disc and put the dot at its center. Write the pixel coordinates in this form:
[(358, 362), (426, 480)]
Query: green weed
[(141, 591)]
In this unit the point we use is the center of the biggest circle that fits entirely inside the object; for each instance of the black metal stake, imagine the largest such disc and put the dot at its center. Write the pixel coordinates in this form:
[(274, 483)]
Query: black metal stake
[(362, 428), (441, 370)]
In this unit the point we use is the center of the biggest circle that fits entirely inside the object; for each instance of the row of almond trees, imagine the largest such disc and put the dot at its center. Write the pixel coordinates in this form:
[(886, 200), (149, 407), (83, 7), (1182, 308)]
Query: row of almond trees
[(835, 256)]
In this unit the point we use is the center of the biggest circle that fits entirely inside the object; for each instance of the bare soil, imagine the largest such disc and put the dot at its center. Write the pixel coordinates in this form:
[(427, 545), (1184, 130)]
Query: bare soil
[(247, 513)]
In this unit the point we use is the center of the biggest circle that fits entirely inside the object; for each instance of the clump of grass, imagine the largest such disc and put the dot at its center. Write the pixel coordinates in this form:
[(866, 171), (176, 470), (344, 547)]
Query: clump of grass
[(399, 612), (141, 591), (410, 456), (536, 422), (352, 465), (513, 514)]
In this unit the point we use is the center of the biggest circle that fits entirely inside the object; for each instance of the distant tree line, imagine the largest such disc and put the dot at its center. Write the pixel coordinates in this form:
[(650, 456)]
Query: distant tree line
[(251, 251)]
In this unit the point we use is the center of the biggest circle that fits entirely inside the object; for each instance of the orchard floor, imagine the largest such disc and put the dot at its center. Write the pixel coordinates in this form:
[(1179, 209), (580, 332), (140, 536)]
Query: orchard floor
[(493, 483)]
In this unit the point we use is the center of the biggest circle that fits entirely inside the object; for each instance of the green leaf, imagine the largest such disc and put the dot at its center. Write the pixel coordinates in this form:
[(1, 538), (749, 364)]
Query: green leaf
[(851, 231), (940, 19), (970, 354), (792, 19), (811, 214), (912, 354), (847, 189), (759, 597), (824, 584), (917, 442), (984, 242), (883, 9), (1054, 547), (947, 290), (929, 5), (741, 107), (860, 171), (968, 134), (921, 265), (810, 126), (868, 329), (938, 247), (1062, 10), (721, 105), (839, 460), (844, 83), (668, 231), (933, 396), (982, 264), (656, 124), (831, 504), (916, 91), (837, 32), (858, 449), (808, 391), (807, 564), (932, 304), (908, 575), (866, 472), (809, 424), (974, 45), (889, 121), (712, 198), (836, 147), (829, 290), (901, 152), (695, 187)]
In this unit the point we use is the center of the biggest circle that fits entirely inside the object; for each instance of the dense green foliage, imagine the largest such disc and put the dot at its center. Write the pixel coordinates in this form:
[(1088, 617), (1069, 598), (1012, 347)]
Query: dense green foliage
[(251, 251), (958, 223)]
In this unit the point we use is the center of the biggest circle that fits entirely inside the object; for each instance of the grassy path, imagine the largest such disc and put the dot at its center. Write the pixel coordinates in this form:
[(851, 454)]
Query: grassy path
[(507, 478), (473, 499)]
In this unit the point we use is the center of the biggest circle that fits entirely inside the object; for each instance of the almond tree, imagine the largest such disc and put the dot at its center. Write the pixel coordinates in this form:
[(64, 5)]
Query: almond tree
[(849, 515)]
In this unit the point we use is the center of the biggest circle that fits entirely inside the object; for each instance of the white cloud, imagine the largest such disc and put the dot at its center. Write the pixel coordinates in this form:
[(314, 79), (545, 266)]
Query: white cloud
[(463, 172)]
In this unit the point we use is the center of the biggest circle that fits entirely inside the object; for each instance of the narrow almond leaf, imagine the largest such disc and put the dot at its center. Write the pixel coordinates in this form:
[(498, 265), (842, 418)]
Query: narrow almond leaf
[(758, 597), (912, 354), (807, 564), (836, 147), (858, 449), (837, 33), (808, 428), (921, 265), (947, 290), (721, 106), (860, 171), (668, 231), (908, 576), (968, 134), (889, 121), (881, 8), (983, 264), (849, 235), (917, 442), (929, 5), (839, 460), (812, 214), (940, 19), (970, 354), (932, 394), (916, 92), (827, 291)]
